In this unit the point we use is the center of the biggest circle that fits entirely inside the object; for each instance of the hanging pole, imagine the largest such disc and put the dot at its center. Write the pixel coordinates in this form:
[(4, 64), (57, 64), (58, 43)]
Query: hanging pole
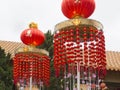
[(65, 78), (31, 76), (73, 81), (31, 83), (40, 85), (73, 77), (78, 76), (70, 83)]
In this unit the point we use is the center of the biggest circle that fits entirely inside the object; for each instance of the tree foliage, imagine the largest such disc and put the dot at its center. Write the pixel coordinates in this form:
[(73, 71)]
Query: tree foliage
[(48, 45), (5, 71)]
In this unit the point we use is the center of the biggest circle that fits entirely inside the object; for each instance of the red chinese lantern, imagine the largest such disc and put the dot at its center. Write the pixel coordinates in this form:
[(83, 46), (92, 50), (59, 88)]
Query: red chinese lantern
[(32, 36), (79, 46), (31, 65), (80, 8)]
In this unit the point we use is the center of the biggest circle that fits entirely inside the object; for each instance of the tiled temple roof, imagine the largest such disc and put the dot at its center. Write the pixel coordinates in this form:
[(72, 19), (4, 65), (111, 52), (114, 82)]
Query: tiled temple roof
[(113, 58), (10, 46)]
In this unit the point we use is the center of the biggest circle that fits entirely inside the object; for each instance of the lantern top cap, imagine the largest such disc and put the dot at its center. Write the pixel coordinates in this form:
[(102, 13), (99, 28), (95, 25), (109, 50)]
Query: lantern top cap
[(80, 22), (30, 49), (33, 25)]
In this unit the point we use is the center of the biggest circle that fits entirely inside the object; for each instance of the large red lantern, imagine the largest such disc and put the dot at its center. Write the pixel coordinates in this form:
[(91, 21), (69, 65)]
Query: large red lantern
[(78, 8), (32, 36), (79, 47)]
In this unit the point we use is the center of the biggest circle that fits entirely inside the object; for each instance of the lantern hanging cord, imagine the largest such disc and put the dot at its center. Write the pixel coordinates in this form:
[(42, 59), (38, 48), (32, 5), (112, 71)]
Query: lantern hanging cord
[(33, 25)]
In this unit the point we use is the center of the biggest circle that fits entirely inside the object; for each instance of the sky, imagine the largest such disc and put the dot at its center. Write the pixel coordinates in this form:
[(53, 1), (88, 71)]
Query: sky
[(16, 15)]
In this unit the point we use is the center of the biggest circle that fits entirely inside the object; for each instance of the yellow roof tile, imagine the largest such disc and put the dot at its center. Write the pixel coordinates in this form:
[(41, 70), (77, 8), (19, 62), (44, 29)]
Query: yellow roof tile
[(10, 46), (113, 58)]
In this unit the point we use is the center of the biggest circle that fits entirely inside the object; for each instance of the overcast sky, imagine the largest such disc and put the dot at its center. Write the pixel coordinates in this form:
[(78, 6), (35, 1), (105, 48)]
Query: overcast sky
[(15, 15)]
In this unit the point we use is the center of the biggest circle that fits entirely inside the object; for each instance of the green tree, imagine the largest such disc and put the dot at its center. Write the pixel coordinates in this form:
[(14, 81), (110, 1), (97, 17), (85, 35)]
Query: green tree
[(48, 45), (5, 71)]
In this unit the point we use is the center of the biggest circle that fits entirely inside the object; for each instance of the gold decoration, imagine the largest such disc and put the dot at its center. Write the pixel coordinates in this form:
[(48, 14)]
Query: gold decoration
[(31, 49), (33, 25), (76, 22), (79, 22), (25, 49)]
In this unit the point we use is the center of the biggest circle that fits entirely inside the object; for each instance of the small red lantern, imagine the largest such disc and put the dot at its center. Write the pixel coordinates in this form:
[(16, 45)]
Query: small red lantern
[(78, 8), (31, 65), (32, 36)]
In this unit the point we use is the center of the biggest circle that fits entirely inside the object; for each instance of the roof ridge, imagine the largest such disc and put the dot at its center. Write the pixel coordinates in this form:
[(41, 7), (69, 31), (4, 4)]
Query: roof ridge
[(10, 41), (113, 51)]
